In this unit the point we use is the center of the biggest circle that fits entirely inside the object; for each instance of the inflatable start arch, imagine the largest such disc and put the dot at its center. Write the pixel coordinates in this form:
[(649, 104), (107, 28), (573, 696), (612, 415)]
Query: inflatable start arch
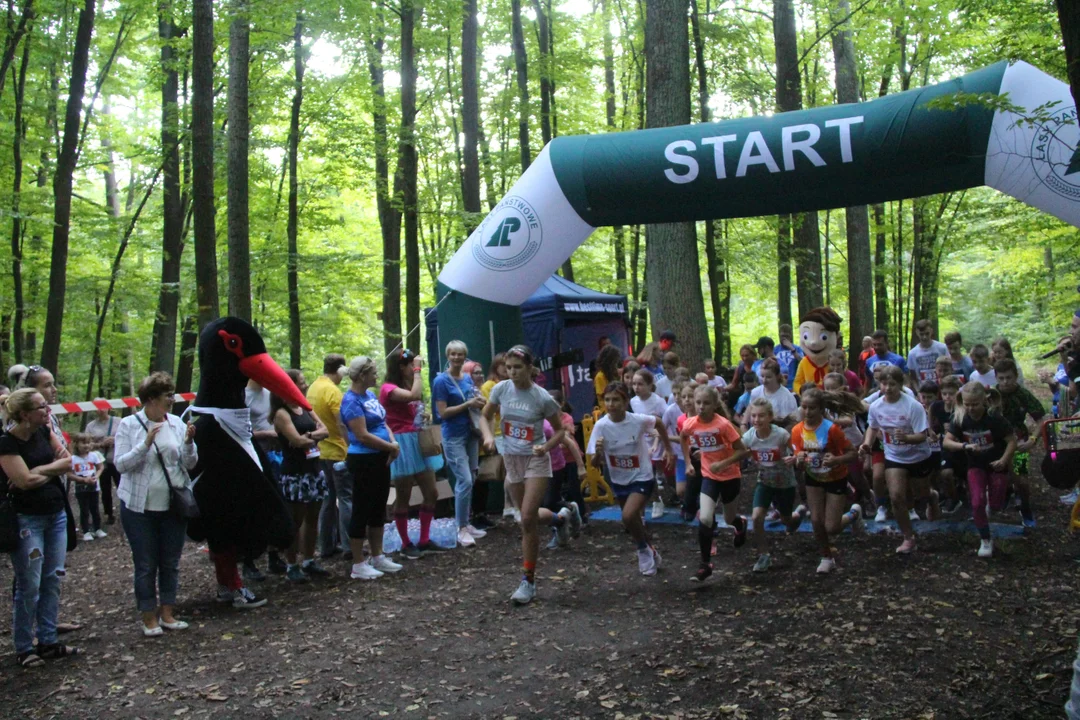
[(890, 148)]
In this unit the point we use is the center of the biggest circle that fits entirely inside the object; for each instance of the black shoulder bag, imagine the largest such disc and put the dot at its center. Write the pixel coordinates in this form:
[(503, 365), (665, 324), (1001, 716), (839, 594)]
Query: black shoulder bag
[(181, 500)]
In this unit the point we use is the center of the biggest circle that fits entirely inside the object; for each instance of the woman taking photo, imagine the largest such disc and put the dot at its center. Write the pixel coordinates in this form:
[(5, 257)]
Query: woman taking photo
[(524, 406), (303, 483), (31, 473), (372, 449), (455, 395), (154, 449), (401, 395)]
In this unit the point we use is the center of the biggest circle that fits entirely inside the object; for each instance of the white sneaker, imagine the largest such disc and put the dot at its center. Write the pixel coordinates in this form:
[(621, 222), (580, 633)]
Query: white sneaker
[(802, 511), (912, 515), (575, 519), (882, 514), (1069, 498), (508, 511), (384, 564), (656, 557), (826, 566), (465, 538), (563, 531), (100, 534), (364, 571), (477, 533), (858, 525), (517, 516), (88, 537), (524, 594), (986, 548), (646, 563), (657, 510)]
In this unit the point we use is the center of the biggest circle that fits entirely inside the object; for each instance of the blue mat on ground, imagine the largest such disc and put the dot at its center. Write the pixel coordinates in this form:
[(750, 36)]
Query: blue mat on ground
[(613, 513)]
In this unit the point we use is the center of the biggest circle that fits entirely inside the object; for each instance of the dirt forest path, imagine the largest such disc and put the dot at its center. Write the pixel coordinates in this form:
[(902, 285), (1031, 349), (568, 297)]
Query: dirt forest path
[(937, 635)]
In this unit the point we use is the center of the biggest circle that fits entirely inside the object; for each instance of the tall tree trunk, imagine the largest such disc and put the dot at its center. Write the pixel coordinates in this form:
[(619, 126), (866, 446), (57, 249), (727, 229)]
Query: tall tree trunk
[(410, 14), (521, 62), (189, 340), (618, 232), (17, 229), (860, 286), (237, 192), (545, 70), (638, 311), (294, 145), (783, 269), (806, 246), (671, 251), (1069, 20), (11, 42), (202, 159), (163, 347), (62, 188), (470, 117)]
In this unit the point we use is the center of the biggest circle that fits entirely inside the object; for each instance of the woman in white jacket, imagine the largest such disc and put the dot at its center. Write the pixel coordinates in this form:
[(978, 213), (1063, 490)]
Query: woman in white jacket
[(155, 534)]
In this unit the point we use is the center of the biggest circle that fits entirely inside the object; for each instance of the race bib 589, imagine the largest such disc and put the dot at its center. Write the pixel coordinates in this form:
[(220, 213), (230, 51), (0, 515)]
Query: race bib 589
[(518, 431)]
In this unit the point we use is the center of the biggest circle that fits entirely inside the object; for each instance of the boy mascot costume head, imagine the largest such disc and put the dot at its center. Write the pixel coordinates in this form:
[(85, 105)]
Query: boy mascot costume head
[(819, 332)]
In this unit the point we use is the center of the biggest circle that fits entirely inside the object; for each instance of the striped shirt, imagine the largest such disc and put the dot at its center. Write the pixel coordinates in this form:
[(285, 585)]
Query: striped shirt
[(139, 468)]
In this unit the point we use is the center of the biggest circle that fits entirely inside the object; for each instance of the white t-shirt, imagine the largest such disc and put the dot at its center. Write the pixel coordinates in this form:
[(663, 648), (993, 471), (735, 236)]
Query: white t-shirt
[(663, 386), (626, 445), (718, 382), (655, 405), (768, 454), (671, 424), (259, 403), (86, 467), (783, 402), (873, 397), (921, 360), (522, 414), (903, 417), (989, 379)]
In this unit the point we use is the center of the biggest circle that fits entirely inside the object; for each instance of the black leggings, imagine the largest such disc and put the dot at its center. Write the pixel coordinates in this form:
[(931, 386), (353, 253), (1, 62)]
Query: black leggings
[(371, 489), (110, 478), (89, 516)]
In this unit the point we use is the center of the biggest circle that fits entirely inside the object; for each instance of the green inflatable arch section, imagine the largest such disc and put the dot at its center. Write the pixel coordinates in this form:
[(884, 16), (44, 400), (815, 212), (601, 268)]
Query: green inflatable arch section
[(890, 148)]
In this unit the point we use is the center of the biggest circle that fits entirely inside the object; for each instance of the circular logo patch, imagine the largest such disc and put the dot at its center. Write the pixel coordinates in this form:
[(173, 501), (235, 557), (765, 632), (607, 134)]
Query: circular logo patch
[(509, 237), (1055, 155)]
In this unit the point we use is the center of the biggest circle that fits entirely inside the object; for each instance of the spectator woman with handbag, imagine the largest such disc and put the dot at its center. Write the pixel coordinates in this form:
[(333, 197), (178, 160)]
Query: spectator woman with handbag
[(154, 449), (30, 473)]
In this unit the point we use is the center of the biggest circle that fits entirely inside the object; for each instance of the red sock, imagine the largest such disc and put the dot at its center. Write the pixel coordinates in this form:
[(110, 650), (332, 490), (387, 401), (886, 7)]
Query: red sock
[(427, 514), (401, 519), (530, 571), (225, 569)]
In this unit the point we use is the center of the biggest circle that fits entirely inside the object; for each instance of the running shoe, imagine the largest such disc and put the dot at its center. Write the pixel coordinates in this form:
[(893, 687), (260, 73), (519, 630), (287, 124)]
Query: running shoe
[(882, 514), (703, 572), (244, 599), (465, 538), (88, 537), (646, 563), (411, 552), (224, 595), (575, 519), (912, 515), (524, 594), (100, 534), (1070, 498), (986, 548), (656, 556), (476, 532), (772, 515), (1028, 520), (762, 563), (907, 547), (384, 564), (430, 547), (253, 573), (739, 539), (826, 566), (312, 568), (517, 516), (858, 525), (364, 571), (657, 510), (293, 573), (508, 511), (802, 511), (553, 543), (563, 531)]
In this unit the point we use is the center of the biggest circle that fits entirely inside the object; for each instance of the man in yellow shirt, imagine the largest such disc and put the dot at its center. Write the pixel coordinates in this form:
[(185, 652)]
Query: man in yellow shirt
[(325, 397)]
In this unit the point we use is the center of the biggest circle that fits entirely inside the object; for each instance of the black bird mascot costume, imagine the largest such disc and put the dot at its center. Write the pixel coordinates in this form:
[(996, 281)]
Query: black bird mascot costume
[(241, 509)]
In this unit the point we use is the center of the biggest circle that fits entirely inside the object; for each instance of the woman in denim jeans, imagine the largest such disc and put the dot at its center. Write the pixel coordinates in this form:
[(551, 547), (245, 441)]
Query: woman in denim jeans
[(455, 395), (155, 534), (31, 474)]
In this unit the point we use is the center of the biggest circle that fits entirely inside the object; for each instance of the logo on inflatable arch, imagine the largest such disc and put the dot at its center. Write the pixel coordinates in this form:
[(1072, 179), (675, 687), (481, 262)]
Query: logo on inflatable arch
[(509, 237), (1055, 153)]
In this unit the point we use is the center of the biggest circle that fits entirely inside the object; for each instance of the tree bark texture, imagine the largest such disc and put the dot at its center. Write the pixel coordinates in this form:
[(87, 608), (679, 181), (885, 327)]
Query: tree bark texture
[(17, 228), (470, 117), (407, 162), (294, 192), (202, 160), (521, 63), (618, 233), (237, 192), (1069, 19), (671, 252)]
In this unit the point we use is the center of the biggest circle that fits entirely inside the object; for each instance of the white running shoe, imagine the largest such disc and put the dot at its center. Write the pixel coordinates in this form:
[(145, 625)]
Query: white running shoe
[(986, 548), (100, 534), (575, 519), (88, 537), (508, 511), (517, 516), (384, 564), (882, 514), (762, 563), (524, 594), (465, 538), (646, 563), (1069, 498), (802, 511), (365, 571), (858, 525), (563, 531), (656, 556), (826, 566), (477, 533), (657, 510), (912, 515)]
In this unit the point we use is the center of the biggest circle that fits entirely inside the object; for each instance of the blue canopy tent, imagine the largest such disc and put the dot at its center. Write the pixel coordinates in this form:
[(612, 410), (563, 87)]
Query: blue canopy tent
[(559, 317)]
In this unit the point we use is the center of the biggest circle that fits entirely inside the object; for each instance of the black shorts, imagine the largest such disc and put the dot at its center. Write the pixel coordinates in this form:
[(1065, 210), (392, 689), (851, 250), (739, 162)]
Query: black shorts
[(954, 461), (920, 469), (723, 491), (833, 487)]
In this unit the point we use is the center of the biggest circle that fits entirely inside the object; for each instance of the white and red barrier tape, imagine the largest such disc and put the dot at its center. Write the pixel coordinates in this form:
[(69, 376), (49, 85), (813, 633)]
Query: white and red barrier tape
[(117, 404)]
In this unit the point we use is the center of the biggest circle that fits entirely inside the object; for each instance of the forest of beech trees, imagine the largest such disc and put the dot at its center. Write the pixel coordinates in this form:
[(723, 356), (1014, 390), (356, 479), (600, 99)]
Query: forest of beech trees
[(312, 166)]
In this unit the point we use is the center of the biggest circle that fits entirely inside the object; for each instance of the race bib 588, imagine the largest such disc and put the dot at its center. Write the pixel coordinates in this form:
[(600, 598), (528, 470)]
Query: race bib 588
[(624, 462)]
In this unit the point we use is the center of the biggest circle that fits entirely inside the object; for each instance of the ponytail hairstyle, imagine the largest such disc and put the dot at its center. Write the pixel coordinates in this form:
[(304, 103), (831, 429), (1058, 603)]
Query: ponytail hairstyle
[(708, 391), (838, 403), (523, 352), (973, 390)]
